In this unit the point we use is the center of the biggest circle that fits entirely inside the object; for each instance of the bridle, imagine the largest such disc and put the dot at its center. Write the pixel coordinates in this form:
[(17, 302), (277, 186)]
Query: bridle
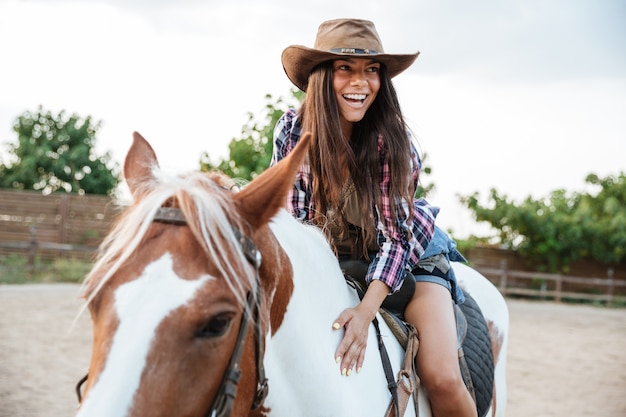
[(225, 398)]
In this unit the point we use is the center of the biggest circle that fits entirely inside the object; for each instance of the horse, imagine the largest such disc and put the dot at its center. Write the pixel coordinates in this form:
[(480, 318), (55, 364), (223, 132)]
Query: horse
[(210, 300)]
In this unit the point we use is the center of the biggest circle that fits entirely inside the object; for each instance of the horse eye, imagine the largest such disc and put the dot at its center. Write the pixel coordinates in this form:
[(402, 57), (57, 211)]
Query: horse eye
[(216, 326)]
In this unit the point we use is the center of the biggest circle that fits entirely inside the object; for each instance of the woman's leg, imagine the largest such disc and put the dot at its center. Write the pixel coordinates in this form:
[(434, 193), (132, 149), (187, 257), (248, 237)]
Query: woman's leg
[(431, 312)]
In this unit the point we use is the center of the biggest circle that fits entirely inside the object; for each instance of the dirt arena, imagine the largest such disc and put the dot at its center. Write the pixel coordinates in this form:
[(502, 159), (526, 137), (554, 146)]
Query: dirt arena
[(563, 360)]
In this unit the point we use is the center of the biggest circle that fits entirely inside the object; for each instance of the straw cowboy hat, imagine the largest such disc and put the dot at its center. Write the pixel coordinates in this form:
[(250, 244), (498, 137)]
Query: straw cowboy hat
[(340, 38)]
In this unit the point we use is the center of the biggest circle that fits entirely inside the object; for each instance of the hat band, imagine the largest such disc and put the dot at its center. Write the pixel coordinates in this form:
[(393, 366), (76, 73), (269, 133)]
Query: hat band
[(354, 51)]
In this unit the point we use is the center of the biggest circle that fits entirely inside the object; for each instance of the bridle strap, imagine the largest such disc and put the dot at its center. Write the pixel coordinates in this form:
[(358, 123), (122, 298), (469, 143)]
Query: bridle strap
[(225, 398), (254, 257), (170, 215)]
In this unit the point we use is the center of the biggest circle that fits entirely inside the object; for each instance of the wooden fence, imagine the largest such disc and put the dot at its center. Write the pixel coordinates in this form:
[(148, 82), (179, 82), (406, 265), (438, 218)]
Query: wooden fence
[(53, 226), (556, 286)]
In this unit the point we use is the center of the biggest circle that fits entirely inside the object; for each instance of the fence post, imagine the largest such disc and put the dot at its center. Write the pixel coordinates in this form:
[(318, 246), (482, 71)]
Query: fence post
[(610, 273), (503, 276), (559, 288), (63, 223), (32, 250)]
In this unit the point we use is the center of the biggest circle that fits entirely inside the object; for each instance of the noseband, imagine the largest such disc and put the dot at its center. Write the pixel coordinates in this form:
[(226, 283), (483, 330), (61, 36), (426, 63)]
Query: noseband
[(225, 398)]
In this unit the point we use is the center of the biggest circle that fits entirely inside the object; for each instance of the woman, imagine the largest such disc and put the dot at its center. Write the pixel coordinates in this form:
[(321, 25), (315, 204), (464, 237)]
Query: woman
[(358, 185)]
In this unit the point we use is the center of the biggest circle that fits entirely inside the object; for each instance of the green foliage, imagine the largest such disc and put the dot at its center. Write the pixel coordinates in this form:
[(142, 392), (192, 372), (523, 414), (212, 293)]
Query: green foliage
[(55, 153), (563, 228), (424, 189), (469, 243), (252, 152), (67, 270), (15, 269)]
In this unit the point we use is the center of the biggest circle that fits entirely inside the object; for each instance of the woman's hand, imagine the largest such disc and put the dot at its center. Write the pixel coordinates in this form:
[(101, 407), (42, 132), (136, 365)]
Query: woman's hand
[(356, 321), (351, 350)]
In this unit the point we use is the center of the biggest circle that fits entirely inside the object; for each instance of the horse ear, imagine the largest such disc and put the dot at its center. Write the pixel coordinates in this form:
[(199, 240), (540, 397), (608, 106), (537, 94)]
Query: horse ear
[(140, 161), (260, 200)]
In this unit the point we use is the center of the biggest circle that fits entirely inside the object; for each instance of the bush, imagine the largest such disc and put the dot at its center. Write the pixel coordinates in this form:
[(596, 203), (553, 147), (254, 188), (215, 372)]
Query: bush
[(14, 269)]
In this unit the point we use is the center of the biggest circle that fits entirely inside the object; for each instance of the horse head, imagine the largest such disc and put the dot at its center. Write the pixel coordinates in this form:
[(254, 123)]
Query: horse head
[(188, 266)]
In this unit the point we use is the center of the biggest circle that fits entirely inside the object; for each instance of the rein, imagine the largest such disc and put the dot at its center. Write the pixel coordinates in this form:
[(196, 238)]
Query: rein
[(225, 399)]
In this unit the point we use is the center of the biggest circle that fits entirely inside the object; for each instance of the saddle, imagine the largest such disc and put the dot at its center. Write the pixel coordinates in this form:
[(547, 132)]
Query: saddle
[(474, 344)]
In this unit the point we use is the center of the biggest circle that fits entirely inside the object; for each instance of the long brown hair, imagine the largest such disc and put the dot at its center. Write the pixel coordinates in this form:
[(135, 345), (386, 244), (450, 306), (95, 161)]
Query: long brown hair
[(319, 114)]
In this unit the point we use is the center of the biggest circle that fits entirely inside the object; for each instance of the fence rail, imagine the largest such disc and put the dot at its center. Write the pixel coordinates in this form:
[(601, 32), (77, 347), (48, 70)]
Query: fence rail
[(555, 286)]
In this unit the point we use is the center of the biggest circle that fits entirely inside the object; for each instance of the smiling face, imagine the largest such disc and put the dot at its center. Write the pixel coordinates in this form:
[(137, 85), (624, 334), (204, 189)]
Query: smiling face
[(356, 82)]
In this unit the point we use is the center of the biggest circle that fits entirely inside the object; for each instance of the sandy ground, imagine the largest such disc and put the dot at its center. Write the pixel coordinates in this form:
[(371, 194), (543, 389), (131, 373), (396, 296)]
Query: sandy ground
[(563, 360)]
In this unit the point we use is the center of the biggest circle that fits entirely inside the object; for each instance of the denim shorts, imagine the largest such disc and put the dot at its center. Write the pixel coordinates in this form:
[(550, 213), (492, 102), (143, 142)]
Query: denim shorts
[(434, 279), (437, 276)]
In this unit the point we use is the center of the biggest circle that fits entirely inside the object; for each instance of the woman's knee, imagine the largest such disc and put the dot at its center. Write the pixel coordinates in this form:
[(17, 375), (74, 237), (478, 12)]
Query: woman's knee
[(441, 380)]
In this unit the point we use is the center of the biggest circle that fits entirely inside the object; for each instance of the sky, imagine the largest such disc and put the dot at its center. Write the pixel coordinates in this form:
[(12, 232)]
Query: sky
[(523, 96)]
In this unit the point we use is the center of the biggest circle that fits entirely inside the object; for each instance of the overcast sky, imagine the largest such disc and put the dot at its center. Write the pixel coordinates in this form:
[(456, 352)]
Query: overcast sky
[(524, 96)]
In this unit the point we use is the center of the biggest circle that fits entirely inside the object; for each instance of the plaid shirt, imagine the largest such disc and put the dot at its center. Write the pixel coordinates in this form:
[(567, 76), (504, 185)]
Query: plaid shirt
[(402, 242)]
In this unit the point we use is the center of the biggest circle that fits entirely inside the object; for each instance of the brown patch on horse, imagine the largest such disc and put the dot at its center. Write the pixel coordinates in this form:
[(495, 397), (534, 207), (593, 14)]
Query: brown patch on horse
[(497, 339), (276, 277), (139, 162)]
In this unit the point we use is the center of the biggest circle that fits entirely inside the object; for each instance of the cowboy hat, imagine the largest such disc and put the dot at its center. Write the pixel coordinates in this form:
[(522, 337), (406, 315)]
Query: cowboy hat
[(339, 38)]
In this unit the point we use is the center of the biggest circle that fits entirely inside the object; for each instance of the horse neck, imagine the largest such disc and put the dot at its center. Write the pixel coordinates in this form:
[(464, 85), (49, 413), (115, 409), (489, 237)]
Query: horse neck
[(317, 279), (276, 278)]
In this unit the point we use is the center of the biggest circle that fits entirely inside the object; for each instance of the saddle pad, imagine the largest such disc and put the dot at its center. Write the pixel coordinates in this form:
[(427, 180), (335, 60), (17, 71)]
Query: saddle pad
[(478, 354)]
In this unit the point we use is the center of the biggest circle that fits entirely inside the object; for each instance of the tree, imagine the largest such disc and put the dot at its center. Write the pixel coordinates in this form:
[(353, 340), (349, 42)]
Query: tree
[(55, 153), (424, 188), (252, 153), (565, 227)]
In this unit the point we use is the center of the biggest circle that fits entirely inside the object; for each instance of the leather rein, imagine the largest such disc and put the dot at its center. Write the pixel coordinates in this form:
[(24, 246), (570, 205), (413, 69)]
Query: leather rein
[(225, 398)]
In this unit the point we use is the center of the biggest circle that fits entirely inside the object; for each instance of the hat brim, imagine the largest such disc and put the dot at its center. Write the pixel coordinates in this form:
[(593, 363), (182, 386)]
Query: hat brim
[(298, 62)]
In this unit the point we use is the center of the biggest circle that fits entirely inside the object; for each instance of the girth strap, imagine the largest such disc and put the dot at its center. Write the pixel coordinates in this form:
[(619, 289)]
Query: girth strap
[(408, 381), (392, 386)]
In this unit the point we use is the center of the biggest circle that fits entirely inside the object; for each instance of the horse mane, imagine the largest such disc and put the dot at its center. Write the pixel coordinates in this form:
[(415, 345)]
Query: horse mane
[(205, 200)]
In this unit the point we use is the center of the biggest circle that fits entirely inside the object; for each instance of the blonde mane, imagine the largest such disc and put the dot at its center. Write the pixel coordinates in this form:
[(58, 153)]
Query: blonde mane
[(205, 200)]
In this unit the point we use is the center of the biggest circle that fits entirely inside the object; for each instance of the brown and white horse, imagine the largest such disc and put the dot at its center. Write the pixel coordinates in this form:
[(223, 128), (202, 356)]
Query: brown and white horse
[(202, 293)]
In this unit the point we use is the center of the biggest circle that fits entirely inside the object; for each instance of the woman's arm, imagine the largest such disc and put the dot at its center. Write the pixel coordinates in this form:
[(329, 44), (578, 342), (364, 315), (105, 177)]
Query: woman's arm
[(403, 229)]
